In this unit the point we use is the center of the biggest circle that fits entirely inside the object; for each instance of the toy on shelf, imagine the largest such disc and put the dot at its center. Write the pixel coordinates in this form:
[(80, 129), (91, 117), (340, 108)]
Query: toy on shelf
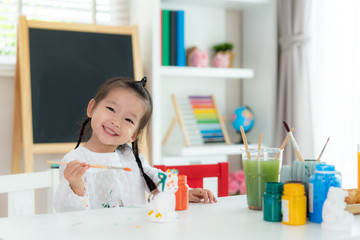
[(244, 117), (199, 121), (162, 203), (197, 58)]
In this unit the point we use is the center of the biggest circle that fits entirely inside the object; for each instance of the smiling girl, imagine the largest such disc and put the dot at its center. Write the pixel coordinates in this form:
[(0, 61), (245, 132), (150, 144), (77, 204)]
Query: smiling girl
[(116, 116)]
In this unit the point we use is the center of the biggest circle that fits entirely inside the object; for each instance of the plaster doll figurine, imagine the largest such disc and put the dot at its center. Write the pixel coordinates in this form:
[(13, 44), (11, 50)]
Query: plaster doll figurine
[(162, 203), (335, 217)]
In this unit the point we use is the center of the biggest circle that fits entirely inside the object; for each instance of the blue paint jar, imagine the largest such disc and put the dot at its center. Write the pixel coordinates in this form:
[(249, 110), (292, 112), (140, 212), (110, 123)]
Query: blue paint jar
[(325, 176)]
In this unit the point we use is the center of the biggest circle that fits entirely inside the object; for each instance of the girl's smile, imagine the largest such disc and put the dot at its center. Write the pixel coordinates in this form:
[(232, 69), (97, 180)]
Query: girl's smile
[(108, 130)]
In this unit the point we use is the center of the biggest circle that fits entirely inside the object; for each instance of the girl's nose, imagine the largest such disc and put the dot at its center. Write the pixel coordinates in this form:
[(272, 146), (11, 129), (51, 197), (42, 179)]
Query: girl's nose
[(115, 123)]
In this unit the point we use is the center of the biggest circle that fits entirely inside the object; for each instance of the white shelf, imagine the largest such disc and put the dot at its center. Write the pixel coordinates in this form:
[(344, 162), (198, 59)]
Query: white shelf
[(204, 150), (207, 72), (254, 31)]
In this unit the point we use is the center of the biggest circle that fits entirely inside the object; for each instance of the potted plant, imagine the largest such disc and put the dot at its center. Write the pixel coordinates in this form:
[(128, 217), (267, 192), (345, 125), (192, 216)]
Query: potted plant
[(223, 56)]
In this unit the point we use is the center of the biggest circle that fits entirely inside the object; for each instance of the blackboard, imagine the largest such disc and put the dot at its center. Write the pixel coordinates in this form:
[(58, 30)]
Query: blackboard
[(59, 67), (66, 69)]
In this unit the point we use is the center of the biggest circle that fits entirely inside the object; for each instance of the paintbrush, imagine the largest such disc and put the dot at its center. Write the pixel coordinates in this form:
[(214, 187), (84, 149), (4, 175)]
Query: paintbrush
[(283, 144), (94, 166), (292, 139), (322, 151), (245, 142)]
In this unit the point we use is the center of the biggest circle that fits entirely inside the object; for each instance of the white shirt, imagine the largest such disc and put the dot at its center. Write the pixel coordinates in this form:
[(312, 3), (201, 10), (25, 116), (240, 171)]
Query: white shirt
[(105, 187)]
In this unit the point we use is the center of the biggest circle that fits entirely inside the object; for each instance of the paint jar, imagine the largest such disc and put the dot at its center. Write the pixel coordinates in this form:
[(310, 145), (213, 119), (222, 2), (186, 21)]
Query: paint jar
[(272, 201), (325, 176), (293, 204), (182, 194)]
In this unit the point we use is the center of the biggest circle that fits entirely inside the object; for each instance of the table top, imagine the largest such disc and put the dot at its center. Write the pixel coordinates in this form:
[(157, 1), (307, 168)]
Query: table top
[(228, 219)]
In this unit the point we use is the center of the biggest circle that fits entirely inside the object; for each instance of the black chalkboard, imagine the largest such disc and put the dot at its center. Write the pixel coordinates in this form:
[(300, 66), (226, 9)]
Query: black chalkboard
[(66, 69)]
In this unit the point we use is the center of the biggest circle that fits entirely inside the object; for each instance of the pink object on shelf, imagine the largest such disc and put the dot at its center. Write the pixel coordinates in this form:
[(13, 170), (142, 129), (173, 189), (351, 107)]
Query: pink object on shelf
[(221, 60), (199, 58)]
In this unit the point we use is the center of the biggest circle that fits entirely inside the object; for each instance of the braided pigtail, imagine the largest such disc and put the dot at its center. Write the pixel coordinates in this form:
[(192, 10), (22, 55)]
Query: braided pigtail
[(150, 183), (86, 121)]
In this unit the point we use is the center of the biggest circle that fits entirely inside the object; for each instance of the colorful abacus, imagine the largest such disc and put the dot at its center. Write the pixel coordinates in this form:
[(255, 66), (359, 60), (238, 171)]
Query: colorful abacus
[(199, 121), (207, 119)]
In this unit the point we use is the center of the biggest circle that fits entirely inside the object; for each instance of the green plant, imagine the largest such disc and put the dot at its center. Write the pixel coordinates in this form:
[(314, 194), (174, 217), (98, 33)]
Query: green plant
[(223, 47)]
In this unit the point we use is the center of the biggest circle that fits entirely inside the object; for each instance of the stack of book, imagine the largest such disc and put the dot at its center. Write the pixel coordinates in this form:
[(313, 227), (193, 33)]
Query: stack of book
[(172, 38)]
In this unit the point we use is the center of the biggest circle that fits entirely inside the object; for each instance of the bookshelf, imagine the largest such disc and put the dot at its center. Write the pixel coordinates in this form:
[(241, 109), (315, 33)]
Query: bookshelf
[(207, 23)]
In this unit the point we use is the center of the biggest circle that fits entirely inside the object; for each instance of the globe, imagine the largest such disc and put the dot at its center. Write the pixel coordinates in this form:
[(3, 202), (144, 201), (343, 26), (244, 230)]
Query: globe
[(242, 116)]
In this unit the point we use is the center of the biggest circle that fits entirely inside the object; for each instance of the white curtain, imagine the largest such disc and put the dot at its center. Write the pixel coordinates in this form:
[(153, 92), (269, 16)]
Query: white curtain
[(335, 83), (293, 83)]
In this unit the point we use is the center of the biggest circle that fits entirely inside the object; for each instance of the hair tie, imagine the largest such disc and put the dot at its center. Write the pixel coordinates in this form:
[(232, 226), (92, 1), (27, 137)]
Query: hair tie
[(143, 81)]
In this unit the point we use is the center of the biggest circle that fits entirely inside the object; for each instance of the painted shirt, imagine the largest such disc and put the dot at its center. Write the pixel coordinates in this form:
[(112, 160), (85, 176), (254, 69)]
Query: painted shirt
[(105, 188)]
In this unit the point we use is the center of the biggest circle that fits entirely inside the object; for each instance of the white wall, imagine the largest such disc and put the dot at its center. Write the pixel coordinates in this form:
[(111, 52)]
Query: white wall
[(260, 53)]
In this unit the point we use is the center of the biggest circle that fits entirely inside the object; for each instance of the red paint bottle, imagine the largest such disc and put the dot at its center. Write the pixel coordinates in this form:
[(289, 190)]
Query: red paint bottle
[(182, 194)]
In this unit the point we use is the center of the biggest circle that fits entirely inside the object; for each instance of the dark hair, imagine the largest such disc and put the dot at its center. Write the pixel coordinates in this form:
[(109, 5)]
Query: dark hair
[(139, 88)]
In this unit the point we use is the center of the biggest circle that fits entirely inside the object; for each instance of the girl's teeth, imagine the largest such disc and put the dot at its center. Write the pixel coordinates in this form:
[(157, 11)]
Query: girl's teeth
[(109, 131)]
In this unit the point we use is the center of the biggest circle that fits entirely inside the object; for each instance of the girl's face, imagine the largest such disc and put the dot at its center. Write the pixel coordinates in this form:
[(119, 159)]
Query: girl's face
[(114, 120)]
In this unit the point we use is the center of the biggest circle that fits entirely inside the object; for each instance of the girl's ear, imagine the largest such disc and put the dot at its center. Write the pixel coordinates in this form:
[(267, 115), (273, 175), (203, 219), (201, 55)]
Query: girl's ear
[(90, 108), (135, 135)]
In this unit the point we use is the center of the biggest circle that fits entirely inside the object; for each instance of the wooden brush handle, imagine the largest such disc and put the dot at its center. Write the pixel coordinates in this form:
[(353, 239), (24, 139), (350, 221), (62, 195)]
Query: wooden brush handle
[(283, 144)]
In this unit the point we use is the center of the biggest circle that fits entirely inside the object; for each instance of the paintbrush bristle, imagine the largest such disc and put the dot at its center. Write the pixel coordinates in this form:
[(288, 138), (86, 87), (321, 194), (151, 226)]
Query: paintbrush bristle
[(286, 126)]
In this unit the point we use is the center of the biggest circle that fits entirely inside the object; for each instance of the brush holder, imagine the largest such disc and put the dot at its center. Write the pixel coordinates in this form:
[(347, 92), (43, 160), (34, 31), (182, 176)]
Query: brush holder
[(302, 170), (299, 171)]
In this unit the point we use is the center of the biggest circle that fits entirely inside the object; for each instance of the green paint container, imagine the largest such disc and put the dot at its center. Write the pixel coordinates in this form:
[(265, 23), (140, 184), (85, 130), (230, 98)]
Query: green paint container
[(272, 201)]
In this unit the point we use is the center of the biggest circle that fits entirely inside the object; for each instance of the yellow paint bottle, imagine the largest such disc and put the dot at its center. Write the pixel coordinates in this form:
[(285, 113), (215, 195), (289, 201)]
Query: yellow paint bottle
[(293, 204)]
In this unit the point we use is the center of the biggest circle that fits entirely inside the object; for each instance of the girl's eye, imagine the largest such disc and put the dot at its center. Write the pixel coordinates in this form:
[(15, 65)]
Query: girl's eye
[(111, 109), (129, 120)]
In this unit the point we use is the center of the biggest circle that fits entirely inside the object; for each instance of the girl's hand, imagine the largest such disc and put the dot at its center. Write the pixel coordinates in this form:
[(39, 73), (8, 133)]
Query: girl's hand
[(73, 172), (198, 194)]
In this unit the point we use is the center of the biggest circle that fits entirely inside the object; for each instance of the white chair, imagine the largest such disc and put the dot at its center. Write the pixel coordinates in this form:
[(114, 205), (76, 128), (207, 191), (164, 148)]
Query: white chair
[(21, 190)]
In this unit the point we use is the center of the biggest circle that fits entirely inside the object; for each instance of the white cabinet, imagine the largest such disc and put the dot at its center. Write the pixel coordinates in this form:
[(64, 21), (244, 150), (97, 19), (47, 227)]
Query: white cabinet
[(251, 26)]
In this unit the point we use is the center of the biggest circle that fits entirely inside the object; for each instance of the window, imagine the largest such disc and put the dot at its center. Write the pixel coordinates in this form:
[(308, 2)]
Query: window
[(335, 60), (104, 12)]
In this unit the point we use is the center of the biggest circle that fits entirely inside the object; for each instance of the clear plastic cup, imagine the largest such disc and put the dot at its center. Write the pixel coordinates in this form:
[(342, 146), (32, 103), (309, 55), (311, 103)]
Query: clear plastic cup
[(260, 168)]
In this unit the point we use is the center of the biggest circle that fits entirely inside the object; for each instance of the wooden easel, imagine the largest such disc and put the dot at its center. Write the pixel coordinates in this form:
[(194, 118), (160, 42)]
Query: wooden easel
[(23, 142), (179, 119)]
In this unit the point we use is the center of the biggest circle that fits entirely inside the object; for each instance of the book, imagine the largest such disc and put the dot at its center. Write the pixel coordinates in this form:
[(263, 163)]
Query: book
[(180, 36), (165, 37), (173, 38), (161, 36)]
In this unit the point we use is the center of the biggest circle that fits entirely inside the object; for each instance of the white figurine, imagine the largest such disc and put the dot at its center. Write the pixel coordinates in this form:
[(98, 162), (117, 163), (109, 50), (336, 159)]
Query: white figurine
[(162, 203), (334, 215)]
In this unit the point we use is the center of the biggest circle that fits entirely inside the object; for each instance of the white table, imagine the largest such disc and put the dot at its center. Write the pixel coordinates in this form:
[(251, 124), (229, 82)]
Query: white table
[(228, 219)]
